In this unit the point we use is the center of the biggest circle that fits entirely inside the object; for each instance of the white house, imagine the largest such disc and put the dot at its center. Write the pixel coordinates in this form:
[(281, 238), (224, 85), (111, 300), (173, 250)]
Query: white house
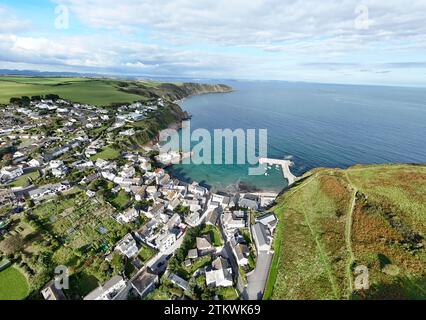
[(128, 216), (241, 253), (109, 290), (127, 246), (262, 237), (233, 220), (220, 274), (165, 241), (196, 189), (34, 163), (47, 190), (10, 173)]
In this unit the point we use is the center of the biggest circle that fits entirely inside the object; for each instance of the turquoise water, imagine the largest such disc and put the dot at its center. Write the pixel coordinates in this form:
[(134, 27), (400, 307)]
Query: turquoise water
[(316, 125)]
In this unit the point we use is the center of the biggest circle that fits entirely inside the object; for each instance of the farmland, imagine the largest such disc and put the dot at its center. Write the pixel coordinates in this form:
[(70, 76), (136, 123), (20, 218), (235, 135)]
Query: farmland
[(335, 220), (91, 91)]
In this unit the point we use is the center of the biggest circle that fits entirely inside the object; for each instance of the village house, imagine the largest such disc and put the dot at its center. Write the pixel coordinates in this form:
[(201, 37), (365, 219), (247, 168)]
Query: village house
[(178, 281), (140, 193), (204, 246), (127, 172), (169, 158), (269, 220), (6, 197), (156, 211), (266, 201), (10, 173), (58, 168), (213, 217), (241, 252), (165, 240), (234, 220), (145, 282), (221, 200), (110, 290), (34, 163), (47, 190), (127, 246), (193, 254), (249, 202), (50, 292), (220, 274), (196, 189), (262, 237), (128, 216), (147, 233)]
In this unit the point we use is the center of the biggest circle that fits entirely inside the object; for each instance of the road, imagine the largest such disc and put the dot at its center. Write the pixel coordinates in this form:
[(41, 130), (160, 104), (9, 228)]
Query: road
[(256, 280)]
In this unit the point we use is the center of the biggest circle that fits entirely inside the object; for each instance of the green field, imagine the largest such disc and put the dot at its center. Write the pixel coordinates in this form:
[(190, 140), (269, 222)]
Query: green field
[(335, 220), (13, 285), (23, 181), (107, 153), (91, 91), (120, 200)]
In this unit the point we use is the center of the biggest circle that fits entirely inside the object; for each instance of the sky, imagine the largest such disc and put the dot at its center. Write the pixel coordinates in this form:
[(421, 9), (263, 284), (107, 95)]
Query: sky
[(337, 41)]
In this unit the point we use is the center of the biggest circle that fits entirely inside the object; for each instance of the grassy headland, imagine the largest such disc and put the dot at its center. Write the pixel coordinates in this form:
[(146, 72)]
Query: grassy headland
[(334, 220)]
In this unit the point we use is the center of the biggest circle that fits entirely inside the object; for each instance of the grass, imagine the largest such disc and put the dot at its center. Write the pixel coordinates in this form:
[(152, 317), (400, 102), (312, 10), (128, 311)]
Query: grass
[(91, 91), (198, 264), (161, 294), (146, 253), (107, 153), (228, 294), (23, 181), (215, 235), (336, 219), (82, 284), (13, 284), (120, 200)]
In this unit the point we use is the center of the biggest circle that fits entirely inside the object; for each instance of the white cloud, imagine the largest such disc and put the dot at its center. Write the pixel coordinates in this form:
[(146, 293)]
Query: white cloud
[(256, 22), (275, 39), (10, 22)]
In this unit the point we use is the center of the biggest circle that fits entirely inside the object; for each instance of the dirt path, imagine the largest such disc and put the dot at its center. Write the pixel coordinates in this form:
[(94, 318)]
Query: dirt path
[(348, 238)]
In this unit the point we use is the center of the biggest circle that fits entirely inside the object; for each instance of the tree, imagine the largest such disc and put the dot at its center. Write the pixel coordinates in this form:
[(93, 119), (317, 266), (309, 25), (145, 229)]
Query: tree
[(12, 244), (53, 97), (7, 158), (117, 263)]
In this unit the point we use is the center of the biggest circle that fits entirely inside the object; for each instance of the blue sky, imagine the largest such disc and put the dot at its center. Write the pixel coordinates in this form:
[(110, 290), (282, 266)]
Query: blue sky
[(348, 41)]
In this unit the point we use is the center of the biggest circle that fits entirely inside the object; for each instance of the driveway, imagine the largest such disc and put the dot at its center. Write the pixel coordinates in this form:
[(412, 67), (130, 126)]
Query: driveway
[(256, 280)]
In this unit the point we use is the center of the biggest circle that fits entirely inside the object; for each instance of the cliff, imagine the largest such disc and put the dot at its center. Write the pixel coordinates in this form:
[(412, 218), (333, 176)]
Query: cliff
[(176, 92)]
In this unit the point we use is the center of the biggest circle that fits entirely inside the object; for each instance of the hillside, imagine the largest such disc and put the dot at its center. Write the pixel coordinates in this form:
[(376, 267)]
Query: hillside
[(334, 220), (101, 92)]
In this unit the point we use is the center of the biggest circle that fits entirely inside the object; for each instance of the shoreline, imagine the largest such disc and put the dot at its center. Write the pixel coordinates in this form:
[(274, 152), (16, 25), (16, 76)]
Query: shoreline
[(243, 189)]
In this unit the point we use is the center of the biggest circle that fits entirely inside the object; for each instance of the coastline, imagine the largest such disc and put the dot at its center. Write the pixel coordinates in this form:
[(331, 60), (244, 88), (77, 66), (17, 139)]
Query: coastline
[(235, 187)]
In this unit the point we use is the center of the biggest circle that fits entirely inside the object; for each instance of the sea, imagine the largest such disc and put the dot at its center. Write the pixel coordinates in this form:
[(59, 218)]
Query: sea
[(313, 125)]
